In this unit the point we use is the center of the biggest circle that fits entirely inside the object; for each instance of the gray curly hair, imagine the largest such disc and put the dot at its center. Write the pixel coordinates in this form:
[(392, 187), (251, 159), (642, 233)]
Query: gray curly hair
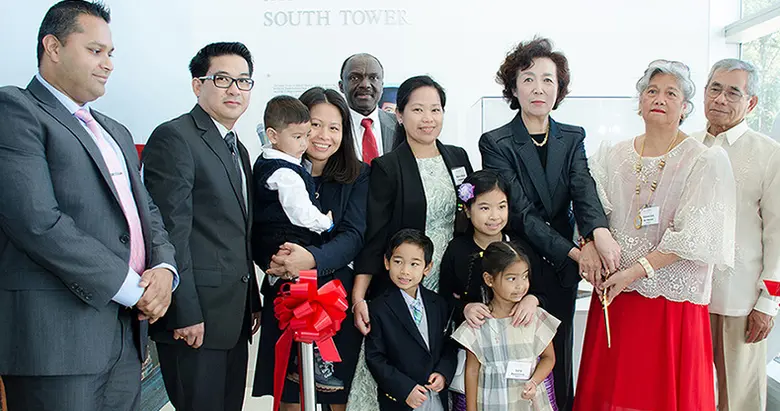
[(678, 70)]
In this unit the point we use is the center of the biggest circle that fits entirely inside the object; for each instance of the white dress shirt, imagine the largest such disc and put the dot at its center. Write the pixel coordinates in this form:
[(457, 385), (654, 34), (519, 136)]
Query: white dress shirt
[(358, 130), (293, 195), (130, 292), (755, 160), (223, 131), (433, 403)]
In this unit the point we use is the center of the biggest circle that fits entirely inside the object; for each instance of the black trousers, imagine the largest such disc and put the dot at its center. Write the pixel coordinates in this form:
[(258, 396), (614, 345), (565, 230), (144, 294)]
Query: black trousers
[(561, 304), (205, 379), (117, 388)]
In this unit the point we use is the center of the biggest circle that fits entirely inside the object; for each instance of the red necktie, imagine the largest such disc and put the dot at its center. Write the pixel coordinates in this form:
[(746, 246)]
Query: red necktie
[(370, 152)]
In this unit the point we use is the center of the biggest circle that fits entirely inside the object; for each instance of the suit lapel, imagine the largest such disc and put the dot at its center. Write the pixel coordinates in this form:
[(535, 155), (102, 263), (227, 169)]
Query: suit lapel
[(412, 187), (69, 121), (247, 169), (530, 157), (387, 126), (450, 160), (217, 144), (556, 152), (433, 318), (399, 308)]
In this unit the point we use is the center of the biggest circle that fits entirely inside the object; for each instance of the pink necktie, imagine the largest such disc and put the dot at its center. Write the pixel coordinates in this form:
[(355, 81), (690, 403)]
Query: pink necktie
[(122, 186)]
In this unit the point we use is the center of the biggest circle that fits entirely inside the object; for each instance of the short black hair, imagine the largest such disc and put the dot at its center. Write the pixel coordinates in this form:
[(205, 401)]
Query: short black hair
[(343, 166), (281, 111), (62, 20), (344, 64), (199, 65), (414, 237)]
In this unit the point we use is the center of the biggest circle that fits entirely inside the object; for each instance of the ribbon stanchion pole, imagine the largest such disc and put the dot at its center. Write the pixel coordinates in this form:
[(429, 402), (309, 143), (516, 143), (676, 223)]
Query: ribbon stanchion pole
[(307, 315), (308, 391)]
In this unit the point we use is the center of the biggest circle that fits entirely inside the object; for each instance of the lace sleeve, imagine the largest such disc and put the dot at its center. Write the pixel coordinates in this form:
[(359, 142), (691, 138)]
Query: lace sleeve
[(598, 170), (703, 225)]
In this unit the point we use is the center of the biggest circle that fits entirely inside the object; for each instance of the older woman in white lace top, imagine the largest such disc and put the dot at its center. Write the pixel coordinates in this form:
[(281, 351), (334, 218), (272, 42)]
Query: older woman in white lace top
[(670, 202)]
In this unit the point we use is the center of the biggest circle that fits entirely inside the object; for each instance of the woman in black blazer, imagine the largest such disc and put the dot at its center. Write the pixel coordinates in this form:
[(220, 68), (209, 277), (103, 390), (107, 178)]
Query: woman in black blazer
[(545, 165), (413, 186)]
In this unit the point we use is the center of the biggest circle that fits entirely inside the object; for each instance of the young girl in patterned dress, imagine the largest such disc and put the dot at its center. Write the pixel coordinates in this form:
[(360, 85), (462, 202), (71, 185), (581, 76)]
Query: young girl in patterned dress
[(506, 366)]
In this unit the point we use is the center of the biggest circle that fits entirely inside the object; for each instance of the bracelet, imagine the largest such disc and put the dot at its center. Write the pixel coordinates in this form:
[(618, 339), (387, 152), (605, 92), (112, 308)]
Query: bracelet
[(534, 383), (356, 304), (649, 270), (582, 241)]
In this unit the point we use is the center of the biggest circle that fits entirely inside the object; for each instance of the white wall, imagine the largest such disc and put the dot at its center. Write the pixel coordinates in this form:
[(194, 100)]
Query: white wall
[(461, 44)]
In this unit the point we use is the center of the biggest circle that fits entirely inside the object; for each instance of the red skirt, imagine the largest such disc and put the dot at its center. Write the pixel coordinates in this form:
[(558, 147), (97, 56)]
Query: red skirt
[(660, 360)]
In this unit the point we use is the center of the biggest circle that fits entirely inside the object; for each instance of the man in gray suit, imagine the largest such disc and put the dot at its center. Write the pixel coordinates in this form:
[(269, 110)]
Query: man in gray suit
[(199, 173), (78, 231), (362, 82)]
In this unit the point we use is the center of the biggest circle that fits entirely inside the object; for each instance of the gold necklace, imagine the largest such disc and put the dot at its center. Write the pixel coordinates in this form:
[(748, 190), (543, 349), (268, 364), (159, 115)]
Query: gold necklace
[(546, 133), (654, 185)]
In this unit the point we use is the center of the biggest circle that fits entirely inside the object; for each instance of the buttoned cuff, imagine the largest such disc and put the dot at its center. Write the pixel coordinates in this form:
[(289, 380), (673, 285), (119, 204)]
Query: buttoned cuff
[(173, 270), (767, 305), (130, 292)]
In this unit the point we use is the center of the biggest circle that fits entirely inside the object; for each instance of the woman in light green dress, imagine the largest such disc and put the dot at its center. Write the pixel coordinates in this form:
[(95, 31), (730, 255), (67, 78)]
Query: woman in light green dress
[(414, 186)]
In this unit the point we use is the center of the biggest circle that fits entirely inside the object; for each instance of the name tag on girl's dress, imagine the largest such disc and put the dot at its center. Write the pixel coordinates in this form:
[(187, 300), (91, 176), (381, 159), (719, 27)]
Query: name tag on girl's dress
[(519, 370), (458, 174)]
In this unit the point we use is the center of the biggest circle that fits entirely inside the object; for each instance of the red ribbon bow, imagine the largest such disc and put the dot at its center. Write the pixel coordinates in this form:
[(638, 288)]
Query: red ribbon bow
[(309, 315)]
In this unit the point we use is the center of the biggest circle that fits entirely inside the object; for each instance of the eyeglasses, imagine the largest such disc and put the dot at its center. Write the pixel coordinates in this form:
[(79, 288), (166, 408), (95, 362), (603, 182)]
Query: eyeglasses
[(714, 90), (222, 81)]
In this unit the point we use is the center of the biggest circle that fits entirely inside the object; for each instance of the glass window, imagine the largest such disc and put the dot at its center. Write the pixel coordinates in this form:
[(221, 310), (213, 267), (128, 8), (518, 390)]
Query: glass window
[(750, 7), (765, 54)]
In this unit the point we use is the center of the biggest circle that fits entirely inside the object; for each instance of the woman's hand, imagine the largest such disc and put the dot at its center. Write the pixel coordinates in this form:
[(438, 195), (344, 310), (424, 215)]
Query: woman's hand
[(476, 314), (616, 283), (362, 321), (523, 311), (608, 249), (290, 260)]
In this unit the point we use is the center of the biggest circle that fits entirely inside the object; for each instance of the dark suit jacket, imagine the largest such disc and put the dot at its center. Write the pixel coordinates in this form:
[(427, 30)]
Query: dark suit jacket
[(540, 199), (189, 172), (396, 353), (396, 200), (64, 240), (388, 123)]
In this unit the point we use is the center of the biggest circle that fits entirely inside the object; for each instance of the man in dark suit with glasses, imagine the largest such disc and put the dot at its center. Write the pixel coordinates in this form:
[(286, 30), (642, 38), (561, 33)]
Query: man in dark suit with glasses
[(198, 171)]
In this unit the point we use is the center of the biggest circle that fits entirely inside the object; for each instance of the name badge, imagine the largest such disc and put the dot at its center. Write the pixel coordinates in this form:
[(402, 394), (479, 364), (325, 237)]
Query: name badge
[(519, 370), (650, 215), (459, 174)]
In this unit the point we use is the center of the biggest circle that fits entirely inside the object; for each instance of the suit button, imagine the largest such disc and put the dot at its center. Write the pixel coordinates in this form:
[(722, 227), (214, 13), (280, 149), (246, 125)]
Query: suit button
[(88, 297), (124, 238), (245, 279)]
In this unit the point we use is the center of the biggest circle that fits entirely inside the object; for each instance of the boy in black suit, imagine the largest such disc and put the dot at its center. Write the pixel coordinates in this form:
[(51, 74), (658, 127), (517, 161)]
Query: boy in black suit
[(408, 350)]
